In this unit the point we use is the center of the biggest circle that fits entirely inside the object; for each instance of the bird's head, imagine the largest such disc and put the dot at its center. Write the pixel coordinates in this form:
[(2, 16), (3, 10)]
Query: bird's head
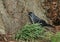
[(30, 13)]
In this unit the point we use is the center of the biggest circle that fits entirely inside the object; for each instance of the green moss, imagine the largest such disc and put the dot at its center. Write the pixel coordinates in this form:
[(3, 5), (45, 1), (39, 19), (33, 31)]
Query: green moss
[(32, 31), (56, 37)]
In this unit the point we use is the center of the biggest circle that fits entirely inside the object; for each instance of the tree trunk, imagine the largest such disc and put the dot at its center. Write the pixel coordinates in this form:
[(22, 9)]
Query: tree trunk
[(14, 13)]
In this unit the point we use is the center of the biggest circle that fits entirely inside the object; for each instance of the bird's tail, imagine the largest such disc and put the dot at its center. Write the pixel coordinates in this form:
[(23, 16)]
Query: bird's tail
[(50, 25)]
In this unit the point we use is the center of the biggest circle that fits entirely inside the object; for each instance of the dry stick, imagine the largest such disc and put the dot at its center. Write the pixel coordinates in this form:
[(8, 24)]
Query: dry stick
[(27, 41), (32, 39), (5, 39)]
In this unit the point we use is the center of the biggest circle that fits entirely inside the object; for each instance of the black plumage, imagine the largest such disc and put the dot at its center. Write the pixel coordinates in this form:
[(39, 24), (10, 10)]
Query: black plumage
[(35, 19)]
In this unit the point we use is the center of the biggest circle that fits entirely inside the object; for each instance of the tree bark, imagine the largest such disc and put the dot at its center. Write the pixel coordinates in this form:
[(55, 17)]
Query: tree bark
[(14, 13)]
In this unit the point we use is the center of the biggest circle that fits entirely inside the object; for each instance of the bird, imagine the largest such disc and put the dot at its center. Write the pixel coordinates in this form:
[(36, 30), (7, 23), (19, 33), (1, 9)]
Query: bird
[(34, 19)]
